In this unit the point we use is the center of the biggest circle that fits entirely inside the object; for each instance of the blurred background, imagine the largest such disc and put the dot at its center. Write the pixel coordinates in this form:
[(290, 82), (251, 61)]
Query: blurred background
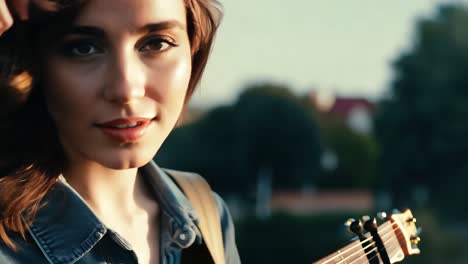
[(314, 111)]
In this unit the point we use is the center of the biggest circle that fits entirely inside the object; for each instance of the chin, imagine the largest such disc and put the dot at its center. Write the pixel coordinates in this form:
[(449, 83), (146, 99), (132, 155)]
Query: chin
[(127, 159)]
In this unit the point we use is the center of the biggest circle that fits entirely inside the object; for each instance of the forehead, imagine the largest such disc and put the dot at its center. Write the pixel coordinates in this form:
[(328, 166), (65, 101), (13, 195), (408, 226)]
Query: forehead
[(130, 14)]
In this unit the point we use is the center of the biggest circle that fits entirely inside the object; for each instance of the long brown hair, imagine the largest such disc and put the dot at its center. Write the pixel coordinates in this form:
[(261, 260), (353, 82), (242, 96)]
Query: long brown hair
[(31, 158)]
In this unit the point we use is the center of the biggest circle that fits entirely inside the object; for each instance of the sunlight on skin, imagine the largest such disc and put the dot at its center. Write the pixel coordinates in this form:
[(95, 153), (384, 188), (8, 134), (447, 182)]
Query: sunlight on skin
[(115, 84)]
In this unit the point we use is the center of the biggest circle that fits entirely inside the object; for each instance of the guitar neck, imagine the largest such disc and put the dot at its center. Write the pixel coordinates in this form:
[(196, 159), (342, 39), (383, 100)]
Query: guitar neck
[(352, 253), (359, 253)]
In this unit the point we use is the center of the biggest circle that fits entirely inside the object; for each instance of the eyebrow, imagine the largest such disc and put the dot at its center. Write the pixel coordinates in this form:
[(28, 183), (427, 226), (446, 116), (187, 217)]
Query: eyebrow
[(148, 28), (165, 25)]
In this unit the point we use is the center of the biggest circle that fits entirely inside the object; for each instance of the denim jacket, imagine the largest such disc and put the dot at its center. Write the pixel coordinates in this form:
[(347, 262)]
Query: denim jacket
[(66, 230)]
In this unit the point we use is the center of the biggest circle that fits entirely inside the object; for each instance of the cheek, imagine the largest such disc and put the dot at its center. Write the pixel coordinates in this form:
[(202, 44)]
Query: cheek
[(182, 72), (66, 93), (170, 83), (56, 92)]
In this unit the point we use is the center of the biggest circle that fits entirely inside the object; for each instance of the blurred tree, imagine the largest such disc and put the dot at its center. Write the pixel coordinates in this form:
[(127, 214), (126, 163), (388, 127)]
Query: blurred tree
[(422, 124), (278, 133), (267, 128), (208, 146), (356, 157), (285, 238)]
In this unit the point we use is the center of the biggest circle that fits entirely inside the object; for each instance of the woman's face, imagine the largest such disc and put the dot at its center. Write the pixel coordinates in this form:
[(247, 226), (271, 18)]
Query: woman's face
[(115, 83)]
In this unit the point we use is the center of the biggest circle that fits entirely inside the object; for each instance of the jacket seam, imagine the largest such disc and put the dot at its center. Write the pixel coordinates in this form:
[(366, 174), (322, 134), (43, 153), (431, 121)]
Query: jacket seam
[(77, 252), (42, 245)]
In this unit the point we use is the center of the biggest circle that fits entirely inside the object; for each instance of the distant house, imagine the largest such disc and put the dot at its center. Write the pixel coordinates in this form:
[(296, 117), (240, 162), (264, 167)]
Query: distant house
[(356, 112), (320, 202)]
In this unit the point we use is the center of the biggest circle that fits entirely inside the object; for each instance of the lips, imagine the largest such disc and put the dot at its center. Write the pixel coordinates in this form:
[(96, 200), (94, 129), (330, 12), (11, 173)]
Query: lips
[(125, 130)]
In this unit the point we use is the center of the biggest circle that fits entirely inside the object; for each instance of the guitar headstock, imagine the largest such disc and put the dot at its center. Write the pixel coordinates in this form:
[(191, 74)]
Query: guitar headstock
[(394, 239), (389, 242), (408, 232)]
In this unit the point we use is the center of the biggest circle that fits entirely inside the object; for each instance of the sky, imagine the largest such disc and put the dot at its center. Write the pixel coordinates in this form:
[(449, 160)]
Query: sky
[(344, 47)]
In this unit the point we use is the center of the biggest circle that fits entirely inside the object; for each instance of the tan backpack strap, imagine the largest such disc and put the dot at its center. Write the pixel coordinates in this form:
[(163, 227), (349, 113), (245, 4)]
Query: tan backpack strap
[(202, 200)]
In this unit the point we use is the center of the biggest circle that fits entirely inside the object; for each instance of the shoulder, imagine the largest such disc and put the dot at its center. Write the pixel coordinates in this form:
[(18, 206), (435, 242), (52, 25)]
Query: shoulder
[(196, 188), (224, 213), (227, 228), (193, 185)]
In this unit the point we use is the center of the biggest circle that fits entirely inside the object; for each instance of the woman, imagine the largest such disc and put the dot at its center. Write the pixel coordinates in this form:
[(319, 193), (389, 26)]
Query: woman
[(90, 90)]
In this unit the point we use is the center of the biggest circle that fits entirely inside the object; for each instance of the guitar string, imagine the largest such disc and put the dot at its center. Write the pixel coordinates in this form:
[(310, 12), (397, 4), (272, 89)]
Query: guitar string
[(392, 250), (370, 252), (375, 249), (371, 244), (395, 249), (395, 244), (361, 243), (398, 232), (365, 255)]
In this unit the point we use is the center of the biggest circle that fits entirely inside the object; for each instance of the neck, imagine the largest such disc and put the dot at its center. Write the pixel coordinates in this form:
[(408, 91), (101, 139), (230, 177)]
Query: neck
[(110, 193)]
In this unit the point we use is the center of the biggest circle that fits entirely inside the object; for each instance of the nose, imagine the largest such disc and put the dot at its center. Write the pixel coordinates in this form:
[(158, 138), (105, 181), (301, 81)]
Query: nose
[(126, 78)]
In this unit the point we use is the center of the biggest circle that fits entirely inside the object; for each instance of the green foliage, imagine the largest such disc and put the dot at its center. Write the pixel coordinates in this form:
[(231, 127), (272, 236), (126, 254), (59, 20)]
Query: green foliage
[(357, 157), (422, 125), (302, 239), (268, 127), (278, 133), (290, 239)]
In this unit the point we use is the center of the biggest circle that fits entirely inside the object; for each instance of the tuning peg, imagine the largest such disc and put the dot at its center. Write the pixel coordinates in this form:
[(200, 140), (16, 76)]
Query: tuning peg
[(415, 240), (370, 224), (349, 222), (396, 211), (413, 219), (365, 218), (348, 225), (354, 226), (382, 215)]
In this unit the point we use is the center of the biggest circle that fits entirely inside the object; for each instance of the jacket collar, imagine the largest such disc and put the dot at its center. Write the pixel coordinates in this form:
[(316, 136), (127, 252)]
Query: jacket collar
[(65, 228)]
